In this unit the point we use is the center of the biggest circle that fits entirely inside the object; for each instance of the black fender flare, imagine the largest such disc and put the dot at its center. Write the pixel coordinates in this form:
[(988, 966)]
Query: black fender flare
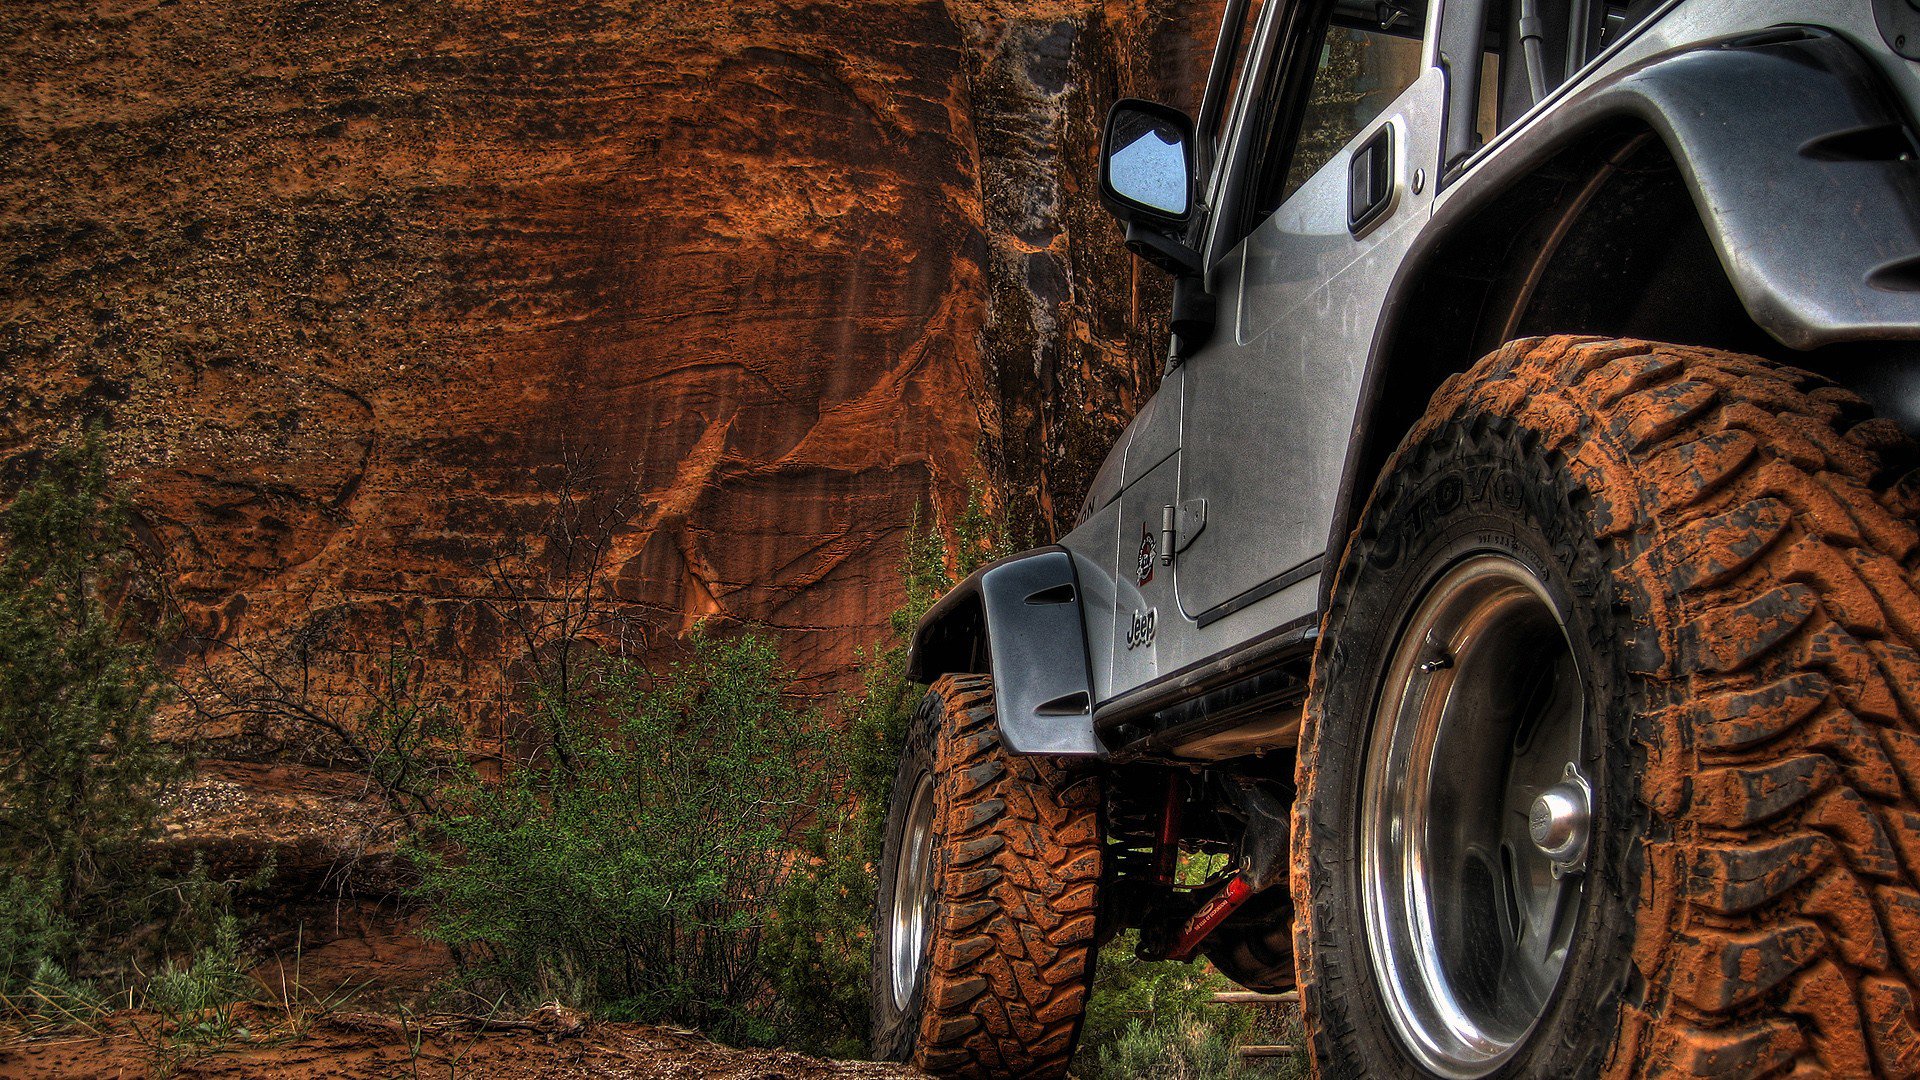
[(1802, 169), (1021, 619), (1803, 173)]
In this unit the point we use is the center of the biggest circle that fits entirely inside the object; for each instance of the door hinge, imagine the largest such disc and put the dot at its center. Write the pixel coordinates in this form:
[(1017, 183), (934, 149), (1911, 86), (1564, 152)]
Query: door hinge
[(1179, 525)]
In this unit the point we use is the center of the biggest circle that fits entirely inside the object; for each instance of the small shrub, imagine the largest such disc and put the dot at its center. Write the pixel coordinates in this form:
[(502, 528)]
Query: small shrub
[(1286, 1029), (406, 737), (82, 775), (33, 931), (49, 998), (695, 851), (633, 866), (1159, 1049), (817, 949), (876, 719), (195, 909), (196, 1000), (1157, 1019), (77, 689)]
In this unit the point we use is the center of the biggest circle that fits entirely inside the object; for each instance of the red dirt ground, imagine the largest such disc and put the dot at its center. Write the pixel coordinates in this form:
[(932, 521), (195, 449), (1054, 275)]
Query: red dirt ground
[(548, 1045)]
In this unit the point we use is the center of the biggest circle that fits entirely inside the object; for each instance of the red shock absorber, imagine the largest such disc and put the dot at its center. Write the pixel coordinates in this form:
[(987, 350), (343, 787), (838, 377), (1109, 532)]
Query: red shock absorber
[(1209, 917)]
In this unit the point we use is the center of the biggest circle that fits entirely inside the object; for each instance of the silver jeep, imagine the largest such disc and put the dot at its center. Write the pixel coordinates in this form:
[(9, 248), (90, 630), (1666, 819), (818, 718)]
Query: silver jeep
[(1501, 627)]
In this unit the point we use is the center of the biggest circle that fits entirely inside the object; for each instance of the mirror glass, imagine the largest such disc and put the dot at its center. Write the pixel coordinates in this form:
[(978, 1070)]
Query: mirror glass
[(1147, 162)]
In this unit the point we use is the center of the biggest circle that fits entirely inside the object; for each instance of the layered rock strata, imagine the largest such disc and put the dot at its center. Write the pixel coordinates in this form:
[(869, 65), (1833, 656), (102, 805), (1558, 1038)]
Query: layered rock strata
[(364, 291)]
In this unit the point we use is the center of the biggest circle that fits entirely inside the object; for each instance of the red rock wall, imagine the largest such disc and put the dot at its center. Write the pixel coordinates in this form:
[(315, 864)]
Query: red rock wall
[(355, 286), (1075, 336), (348, 281)]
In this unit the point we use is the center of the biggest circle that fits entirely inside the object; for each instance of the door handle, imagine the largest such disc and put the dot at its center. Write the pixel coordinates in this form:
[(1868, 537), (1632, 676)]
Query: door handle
[(1370, 180)]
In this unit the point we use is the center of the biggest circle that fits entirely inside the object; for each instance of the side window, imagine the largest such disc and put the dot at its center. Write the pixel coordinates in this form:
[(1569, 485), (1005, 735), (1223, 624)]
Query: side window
[(1336, 73), (1530, 49), (1365, 63)]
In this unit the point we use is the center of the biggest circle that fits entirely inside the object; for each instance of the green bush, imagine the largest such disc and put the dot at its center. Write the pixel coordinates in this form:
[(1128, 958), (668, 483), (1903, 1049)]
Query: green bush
[(82, 775), (80, 769), (817, 949), (1152, 1047), (196, 999), (50, 998), (696, 851), (1157, 1019), (876, 719), (33, 930), (632, 867)]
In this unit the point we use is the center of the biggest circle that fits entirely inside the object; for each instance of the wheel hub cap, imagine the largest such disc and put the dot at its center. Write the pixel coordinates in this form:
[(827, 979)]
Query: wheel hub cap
[(1558, 821), (911, 922), (1474, 817)]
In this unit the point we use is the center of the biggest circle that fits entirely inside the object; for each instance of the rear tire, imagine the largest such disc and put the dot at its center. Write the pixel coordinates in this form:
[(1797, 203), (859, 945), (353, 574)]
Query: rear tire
[(1733, 563), (1010, 861)]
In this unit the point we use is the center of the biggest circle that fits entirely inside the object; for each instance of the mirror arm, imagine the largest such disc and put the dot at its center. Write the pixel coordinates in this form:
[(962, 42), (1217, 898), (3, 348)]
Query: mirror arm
[(1193, 315), (1162, 251)]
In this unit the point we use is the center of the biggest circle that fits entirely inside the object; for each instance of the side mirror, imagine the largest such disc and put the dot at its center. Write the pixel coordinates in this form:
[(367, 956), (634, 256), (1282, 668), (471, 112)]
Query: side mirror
[(1146, 163)]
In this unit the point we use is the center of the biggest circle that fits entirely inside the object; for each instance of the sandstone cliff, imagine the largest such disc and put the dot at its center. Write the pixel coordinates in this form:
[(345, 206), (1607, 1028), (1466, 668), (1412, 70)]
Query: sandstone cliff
[(355, 285)]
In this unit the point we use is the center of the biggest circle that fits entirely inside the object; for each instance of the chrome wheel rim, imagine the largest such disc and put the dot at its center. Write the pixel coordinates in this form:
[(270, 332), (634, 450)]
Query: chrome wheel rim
[(912, 917), (1474, 817)]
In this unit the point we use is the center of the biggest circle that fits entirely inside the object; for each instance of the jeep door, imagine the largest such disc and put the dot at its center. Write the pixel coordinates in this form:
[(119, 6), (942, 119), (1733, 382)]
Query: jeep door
[(1328, 178), (1146, 639)]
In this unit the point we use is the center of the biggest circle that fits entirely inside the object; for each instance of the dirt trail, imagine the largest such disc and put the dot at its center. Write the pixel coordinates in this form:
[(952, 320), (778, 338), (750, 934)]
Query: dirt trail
[(374, 1047)]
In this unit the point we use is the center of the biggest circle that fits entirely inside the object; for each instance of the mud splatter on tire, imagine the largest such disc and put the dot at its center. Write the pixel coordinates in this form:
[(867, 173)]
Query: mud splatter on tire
[(1016, 873), (1760, 554)]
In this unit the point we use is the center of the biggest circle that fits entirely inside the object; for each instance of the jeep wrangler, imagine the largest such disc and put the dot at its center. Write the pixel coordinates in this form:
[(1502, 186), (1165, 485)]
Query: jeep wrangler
[(1501, 626)]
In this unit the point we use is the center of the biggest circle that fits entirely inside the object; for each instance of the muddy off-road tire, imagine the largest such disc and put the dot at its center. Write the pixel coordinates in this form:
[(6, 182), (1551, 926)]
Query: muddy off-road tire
[(1698, 569), (999, 856)]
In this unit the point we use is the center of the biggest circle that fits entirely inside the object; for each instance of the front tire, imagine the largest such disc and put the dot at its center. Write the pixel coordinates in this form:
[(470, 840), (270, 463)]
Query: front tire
[(984, 929), (1692, 576)]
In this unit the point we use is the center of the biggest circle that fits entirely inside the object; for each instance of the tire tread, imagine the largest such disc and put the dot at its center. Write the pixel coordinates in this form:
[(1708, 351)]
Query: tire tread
[(1011, 962), (1764, 533)]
